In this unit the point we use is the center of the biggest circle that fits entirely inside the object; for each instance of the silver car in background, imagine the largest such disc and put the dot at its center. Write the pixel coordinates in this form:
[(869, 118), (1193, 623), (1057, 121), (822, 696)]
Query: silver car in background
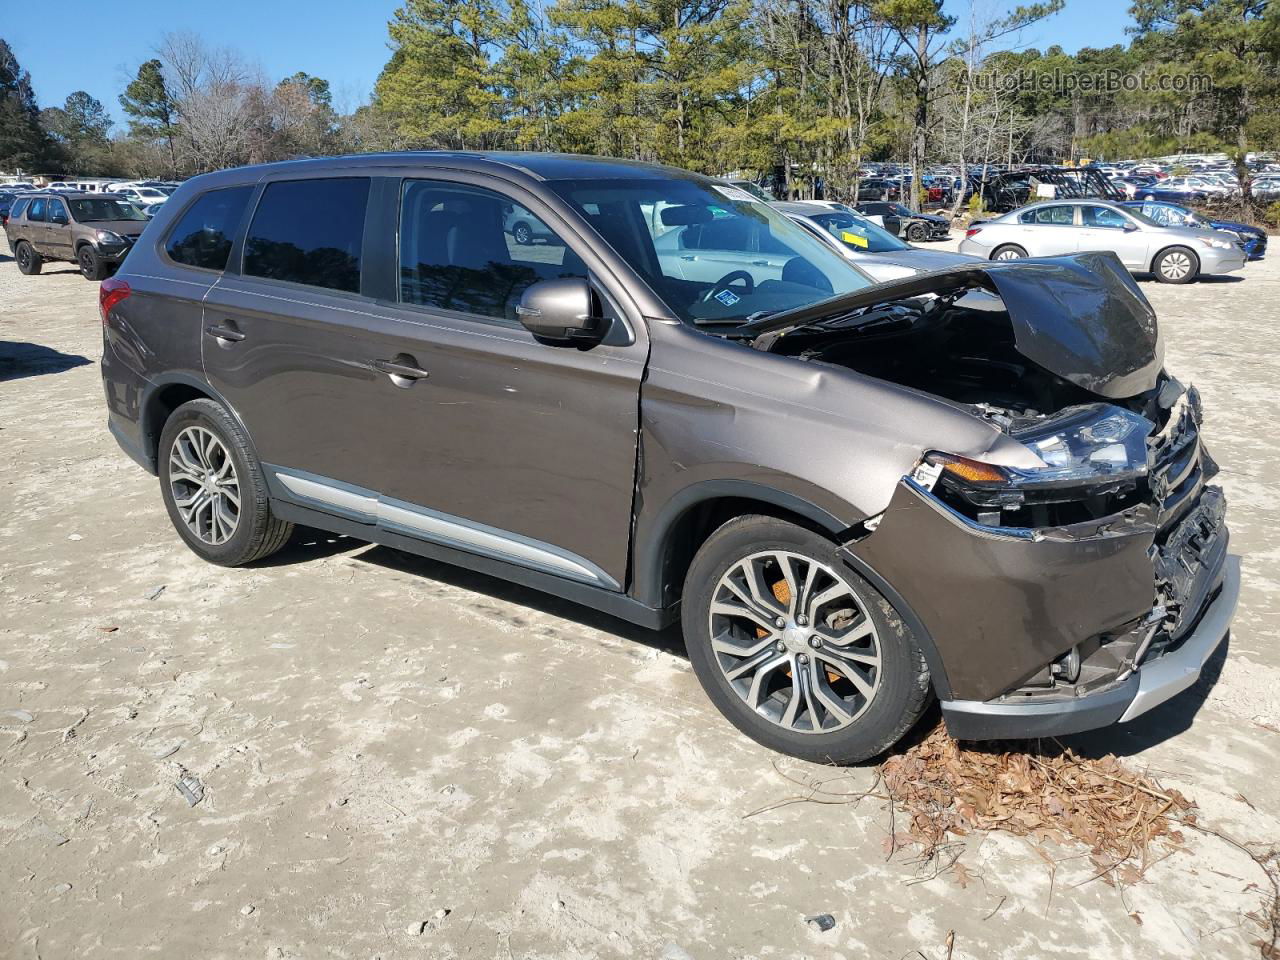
[(1055, 227), (876, 251)]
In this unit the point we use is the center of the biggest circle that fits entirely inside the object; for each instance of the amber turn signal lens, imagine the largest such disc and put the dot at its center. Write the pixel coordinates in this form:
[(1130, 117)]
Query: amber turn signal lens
[(971, 471)]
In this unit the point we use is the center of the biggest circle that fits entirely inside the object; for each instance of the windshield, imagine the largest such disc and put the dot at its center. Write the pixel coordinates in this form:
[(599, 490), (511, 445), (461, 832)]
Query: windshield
[(857, 233), (102, 208), (713, 253)]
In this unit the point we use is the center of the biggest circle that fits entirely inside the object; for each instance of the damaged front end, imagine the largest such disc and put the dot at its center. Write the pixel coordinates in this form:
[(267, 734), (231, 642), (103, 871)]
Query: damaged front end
[(1087, 582)]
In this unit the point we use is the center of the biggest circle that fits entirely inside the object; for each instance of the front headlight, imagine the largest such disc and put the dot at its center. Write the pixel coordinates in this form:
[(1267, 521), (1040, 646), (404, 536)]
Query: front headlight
[(1216, 243), (109, 239), (1082, 449)]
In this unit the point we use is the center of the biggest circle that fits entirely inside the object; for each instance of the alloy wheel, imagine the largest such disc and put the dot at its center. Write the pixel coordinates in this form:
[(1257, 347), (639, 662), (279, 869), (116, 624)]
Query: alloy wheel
[(204, 485), (795, 641), (86, 261), (1008, 255), (24, 257), (1175, 265)]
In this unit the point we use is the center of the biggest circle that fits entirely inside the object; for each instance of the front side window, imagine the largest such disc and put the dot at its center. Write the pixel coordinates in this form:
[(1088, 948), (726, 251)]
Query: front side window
[(1103, 217), (203, 235), (472, 250), (57, 211), (712, 252), (309, 231)]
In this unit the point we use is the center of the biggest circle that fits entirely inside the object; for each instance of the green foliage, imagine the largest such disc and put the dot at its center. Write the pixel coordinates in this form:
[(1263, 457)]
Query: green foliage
[(23, 142)]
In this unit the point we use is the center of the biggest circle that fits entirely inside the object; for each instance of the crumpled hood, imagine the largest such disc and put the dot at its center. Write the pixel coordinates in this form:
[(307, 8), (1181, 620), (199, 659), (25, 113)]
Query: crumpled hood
[(1081, 317)]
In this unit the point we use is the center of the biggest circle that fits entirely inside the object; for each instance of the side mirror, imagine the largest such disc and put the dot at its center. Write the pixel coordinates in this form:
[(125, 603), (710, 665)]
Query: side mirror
[(1130, 227), (560, 311)]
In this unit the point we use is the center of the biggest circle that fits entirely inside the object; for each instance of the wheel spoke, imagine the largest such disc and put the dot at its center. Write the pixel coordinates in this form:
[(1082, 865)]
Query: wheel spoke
[(820, 600), (859, 631), (847, 671), (757, 682), (721, 645), (760, 658), (743, 610)]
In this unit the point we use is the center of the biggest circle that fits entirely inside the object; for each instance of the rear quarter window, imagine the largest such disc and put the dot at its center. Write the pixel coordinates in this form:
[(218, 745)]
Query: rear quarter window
[(203, 235), (310, 232)]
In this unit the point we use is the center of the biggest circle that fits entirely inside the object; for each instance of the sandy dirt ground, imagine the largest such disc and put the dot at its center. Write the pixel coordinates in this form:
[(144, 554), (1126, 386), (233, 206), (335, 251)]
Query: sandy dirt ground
[(400, 759)]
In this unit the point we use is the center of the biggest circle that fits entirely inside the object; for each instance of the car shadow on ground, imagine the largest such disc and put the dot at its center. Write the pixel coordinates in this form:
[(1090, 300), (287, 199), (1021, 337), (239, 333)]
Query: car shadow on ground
[(19, 359), (308, 544), (1157, 725)]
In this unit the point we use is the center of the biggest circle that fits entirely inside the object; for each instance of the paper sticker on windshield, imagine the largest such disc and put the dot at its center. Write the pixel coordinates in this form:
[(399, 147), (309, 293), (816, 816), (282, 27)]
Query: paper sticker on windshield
[(849, 237), (735, 193), (728, 297)]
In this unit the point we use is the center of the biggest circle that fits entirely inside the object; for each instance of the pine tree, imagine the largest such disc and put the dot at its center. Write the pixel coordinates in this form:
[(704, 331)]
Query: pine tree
[(23, 142), (150, 107)]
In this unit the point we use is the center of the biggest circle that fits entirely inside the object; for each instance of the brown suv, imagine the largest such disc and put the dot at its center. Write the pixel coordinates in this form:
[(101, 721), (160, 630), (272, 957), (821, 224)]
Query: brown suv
[(89, 229), (674, 403)]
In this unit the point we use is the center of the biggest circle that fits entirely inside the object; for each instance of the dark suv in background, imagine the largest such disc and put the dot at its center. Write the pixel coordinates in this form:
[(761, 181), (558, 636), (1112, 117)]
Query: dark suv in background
[(92, 230), (853, 496)]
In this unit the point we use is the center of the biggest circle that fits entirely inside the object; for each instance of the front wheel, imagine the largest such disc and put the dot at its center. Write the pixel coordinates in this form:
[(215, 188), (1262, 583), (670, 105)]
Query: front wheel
[(795, 649), (523, 234), (1176, 265), (915, 232), (91, 265), (214, 489)]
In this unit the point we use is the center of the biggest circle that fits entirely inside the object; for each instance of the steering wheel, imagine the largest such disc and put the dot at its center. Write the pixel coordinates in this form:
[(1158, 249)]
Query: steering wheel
[(730, 278)]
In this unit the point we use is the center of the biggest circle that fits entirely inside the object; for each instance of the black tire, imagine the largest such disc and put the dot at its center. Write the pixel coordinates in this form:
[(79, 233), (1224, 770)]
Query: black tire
[(257, 532), (1008, 251), (903, 689), (91, 265), (916, 233), (29, 262), (1176, 265), (523, 235)]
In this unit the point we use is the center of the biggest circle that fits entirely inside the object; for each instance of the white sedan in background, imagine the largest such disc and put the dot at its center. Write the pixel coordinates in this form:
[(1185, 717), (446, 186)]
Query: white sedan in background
[(1056, 227)]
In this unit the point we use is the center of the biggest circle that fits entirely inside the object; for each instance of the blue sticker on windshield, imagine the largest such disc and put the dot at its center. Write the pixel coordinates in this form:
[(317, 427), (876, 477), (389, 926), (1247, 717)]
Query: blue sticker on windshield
[(728, 297)]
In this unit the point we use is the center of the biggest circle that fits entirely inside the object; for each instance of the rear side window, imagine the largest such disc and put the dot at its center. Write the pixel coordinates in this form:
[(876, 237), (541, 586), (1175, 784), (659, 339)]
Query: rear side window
[(309, 231), (36, 212), (203, 235)]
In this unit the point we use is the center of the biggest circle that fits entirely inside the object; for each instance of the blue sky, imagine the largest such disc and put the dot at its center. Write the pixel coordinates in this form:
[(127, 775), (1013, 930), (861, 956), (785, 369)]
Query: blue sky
[(344, 41)]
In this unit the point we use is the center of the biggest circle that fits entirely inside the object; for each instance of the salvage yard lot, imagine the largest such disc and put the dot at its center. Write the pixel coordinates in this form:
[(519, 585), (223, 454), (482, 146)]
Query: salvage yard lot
[(401, 759)]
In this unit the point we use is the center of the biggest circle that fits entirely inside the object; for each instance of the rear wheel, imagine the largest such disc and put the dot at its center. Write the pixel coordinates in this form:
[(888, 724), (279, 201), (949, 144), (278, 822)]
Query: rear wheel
[(523, 235), (1010, 251), (29, 262), (1176, 265), (214, 489), (91, 265), (795, 649)]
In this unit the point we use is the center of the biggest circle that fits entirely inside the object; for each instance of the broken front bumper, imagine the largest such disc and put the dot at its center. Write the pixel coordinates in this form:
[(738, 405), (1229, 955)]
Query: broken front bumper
[(1152, 600), (1154, 682)]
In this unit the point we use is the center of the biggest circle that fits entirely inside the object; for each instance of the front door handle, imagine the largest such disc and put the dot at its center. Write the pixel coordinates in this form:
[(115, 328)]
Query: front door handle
[(402, 369), (225, 335), (688, 256)]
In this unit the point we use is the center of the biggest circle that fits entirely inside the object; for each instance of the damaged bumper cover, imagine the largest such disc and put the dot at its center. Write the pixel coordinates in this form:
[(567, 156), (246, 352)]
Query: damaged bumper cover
[(1147, 598)]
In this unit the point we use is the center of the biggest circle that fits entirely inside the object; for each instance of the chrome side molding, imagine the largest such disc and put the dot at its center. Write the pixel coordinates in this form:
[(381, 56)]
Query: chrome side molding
[(368, 506)]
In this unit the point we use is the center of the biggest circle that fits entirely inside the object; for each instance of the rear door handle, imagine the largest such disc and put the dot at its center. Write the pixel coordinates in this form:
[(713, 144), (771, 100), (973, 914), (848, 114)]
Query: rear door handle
[(224, 334), (403, 370)]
